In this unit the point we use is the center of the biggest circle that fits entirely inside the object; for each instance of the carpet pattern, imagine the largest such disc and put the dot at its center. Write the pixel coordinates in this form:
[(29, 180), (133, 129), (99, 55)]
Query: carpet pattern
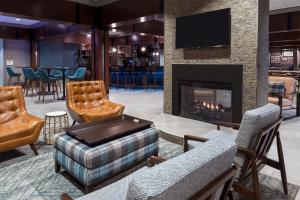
[(33, 177)]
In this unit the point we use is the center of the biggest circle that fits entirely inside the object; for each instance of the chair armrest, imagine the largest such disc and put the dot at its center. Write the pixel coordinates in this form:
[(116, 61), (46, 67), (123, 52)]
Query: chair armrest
[(228, 124), (65, 197), (193, 138), (155, 160), (246, 151)]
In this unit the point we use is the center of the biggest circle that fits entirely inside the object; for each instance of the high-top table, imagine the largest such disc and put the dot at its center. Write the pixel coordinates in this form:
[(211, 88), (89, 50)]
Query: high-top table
[(63, 69)]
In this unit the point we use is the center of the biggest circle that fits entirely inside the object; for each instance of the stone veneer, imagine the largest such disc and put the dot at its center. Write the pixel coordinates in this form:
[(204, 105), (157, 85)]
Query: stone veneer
[(249, 45)]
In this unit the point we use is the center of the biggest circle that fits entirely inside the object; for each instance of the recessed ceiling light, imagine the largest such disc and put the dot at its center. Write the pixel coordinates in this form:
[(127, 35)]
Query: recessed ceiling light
[(18, 19), (142, 19)]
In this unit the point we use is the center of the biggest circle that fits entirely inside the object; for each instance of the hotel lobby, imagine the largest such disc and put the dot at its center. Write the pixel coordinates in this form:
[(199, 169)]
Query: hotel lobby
[(151, 99)]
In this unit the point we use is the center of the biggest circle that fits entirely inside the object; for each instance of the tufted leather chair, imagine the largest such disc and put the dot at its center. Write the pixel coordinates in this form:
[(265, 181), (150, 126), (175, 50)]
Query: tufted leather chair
[(17, 127), (87, 101)]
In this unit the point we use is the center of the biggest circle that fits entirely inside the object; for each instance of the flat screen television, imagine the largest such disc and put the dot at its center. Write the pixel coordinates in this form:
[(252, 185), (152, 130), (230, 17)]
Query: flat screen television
[(210, 29)]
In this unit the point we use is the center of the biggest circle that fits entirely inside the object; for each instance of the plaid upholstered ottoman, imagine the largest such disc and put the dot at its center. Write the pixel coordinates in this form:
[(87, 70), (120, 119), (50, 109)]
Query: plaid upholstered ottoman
[(93, 165)]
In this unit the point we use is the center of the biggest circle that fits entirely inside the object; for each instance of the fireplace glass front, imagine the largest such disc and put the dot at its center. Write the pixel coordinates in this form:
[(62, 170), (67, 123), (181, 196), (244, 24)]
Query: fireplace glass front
[(206, 102)]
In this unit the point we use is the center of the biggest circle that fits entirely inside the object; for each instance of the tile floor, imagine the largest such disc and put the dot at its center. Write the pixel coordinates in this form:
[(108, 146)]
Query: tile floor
[(149, 105)]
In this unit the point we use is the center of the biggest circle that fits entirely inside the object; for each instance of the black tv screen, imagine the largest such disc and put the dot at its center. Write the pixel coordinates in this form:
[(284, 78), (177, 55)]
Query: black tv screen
[(204, 30)]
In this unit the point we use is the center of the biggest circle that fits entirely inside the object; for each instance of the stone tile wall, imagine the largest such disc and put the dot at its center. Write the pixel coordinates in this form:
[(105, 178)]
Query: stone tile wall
[(249, 45)]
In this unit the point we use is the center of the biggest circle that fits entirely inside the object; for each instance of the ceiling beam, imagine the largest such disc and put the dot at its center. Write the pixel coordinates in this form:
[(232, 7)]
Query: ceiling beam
[(280, 36), (129, 9), (57, 10)]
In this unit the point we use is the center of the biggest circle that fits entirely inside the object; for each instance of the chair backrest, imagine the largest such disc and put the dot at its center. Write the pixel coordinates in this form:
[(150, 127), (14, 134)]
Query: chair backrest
[(290, 85), (10, 72), (12, 103), (85, 94), (26, 73), (43, 75), (250, 132), (185, 175), (80, 73)]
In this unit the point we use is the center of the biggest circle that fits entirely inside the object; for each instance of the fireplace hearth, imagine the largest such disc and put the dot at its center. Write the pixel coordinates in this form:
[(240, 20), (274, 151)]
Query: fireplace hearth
[(210, 93)]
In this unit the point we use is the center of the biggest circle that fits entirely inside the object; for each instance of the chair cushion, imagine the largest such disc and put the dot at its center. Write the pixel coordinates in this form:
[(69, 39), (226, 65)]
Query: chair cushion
[(209, 135), (181, 177), (20, 127), (277, 88), (103, 111), (290, 85), (93, 157), (286, 103), (253, 121)]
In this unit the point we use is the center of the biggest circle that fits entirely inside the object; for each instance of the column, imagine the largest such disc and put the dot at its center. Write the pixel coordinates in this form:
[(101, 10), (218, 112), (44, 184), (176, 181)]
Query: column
[(100, 55)]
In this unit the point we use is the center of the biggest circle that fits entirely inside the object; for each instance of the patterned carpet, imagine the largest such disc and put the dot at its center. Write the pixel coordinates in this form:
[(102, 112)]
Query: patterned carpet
[(32, 177)]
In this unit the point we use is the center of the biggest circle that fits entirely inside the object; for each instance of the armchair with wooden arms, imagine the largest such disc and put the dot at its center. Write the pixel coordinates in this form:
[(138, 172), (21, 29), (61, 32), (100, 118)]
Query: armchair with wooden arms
[(256, 134), (87, 101), (17, 127), (282, 92)]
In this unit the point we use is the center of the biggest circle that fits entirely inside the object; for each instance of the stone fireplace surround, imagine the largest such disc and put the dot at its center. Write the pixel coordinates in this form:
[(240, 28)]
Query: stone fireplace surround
[(218, 74), (249, 46)]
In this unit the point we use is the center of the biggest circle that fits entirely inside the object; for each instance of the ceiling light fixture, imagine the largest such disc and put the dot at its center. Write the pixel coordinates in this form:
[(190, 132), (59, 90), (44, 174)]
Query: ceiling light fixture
[(18, 19), (113, 25), (114, 49), (143, 49), (142, 19), (89, 35), (114, 30)]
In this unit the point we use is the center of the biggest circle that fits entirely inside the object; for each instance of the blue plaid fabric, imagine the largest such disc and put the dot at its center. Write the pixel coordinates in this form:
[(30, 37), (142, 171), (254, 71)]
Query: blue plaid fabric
[(93, 176), (277, 88), (94, 157)]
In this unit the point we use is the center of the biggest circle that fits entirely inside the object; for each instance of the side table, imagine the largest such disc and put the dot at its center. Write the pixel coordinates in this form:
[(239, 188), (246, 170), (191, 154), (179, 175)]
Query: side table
[(54, 123)]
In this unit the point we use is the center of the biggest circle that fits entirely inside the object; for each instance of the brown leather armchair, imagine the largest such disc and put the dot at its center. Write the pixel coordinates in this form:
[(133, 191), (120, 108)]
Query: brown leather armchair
[(87, 101), (17, 127)]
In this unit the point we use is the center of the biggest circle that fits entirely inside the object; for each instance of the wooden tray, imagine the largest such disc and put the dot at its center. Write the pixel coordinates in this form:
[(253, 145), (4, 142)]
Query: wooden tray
[(102, 131)]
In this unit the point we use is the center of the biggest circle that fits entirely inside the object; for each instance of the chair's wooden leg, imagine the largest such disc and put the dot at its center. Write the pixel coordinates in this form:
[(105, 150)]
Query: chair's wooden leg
[(282, 164), (56, 88), (26, 87), (19, 81), (32, 146), (31, 84), (44, 91), (255, 180), (53, 89), (57, 167), (9, 80), (74, 122)]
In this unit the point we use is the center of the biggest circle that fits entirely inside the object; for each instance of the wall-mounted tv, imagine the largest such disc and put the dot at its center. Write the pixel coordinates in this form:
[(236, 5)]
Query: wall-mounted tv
[(210, 29)]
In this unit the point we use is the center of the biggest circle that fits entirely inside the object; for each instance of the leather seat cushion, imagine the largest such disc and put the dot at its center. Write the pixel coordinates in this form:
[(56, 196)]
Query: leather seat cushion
[(101, 112), (17, 128)]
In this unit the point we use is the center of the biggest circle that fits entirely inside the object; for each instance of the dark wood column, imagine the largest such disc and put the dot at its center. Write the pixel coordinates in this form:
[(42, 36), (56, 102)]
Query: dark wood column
[(100, 55), (34, 57)]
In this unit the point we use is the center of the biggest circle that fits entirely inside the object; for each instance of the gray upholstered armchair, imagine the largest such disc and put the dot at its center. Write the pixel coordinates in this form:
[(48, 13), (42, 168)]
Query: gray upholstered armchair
[(255, 136)]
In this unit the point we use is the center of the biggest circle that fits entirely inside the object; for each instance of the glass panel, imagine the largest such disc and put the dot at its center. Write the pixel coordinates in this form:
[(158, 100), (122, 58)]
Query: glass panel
[(206, 104)]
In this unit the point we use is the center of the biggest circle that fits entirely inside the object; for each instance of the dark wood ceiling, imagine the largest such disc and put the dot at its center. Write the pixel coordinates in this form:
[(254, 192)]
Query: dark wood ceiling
[(285, 30)]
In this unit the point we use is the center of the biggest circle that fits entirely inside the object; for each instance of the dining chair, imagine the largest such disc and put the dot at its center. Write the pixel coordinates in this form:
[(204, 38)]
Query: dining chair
[(45, 82), (31, 80), (11, 75), (79, 74)]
